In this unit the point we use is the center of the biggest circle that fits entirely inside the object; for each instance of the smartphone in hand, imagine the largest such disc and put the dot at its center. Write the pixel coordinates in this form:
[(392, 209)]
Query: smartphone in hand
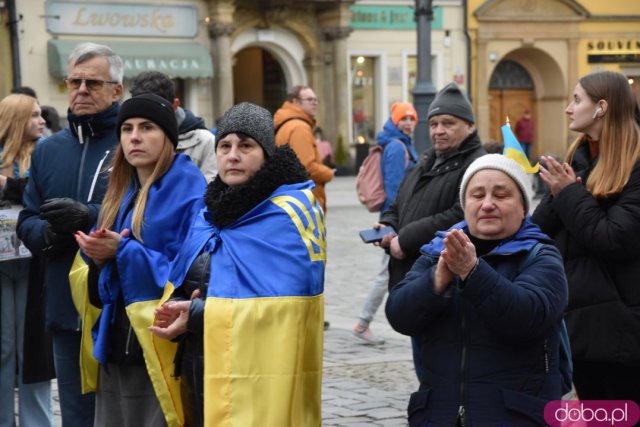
[(372, 235)]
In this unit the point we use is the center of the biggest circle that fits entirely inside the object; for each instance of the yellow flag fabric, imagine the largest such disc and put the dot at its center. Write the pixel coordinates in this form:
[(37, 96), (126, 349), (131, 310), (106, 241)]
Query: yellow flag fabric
[(158, 356), (158, 353), (263, 361), (78, 278), (513, 150)]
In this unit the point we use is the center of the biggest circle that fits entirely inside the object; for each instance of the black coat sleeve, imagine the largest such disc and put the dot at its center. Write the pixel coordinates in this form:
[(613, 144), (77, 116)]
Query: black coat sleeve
[(607, 228), (412, 305)]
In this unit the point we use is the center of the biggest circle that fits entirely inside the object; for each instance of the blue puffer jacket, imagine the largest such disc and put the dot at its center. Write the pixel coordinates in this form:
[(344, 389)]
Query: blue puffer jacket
[(394, 163), (490, 345), (70, 163)]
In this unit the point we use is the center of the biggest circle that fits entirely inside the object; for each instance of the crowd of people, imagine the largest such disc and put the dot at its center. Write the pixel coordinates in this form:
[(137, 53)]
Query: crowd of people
[(166, 262)]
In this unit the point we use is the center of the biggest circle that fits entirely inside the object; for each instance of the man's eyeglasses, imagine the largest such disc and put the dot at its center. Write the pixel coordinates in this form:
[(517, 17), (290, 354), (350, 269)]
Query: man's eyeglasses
[(91, 84), (310, 99)]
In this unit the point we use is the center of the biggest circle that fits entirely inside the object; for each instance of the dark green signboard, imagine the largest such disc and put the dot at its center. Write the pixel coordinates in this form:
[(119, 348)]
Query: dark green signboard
[(390, 18)]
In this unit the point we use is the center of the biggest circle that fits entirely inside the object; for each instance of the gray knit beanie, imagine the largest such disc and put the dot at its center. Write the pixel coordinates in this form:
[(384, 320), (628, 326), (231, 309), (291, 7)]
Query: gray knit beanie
[(452, 100), (503, 164), (251, 120)]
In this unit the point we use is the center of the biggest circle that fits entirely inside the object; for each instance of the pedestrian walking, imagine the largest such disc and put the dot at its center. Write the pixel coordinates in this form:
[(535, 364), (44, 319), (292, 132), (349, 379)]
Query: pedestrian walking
[(294, 123), (486, 302), (398, 157), (524, 132), (21, 126), (593, 214), (63, 195), (253, 266), (427, 200), (151, 201)]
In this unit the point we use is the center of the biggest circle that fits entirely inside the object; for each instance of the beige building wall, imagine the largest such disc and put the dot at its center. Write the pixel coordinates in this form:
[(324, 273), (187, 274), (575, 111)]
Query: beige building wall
[(51, 90), (395, 50), (6, 74)]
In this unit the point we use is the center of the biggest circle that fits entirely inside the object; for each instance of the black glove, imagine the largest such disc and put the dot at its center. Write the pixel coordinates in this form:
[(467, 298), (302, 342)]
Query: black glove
[(56, 243), (65, 215)]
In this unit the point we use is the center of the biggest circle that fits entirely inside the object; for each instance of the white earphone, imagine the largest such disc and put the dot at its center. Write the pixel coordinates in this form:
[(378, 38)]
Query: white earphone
[(595, 113)]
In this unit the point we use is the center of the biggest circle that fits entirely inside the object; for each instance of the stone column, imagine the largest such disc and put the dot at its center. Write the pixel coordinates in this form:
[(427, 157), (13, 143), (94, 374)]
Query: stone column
[(337, 36), (223, 66)]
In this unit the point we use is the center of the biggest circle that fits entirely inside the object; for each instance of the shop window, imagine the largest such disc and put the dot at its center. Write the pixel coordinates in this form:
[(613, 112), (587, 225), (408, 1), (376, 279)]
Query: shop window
[(363, 98), (412, 75)]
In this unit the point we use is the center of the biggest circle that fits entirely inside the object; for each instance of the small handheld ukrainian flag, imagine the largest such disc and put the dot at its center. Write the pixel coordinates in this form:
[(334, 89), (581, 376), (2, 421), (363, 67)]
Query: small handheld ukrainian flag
[(513, 149)]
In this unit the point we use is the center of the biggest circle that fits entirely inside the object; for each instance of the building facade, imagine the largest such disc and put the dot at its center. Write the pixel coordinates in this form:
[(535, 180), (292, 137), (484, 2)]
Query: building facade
[(382, 57), (529, 55), (219, 52)]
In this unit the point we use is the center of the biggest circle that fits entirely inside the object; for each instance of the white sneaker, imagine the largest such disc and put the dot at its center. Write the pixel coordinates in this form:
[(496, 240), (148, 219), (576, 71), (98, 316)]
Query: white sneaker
[(367, 336)]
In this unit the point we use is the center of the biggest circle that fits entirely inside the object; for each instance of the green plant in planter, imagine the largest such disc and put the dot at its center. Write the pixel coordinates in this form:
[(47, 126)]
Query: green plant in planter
[(341, 157)]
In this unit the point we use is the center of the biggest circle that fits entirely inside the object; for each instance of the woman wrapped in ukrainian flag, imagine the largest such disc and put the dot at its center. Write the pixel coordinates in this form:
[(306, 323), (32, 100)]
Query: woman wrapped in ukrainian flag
[(119, 276), (253, 266)]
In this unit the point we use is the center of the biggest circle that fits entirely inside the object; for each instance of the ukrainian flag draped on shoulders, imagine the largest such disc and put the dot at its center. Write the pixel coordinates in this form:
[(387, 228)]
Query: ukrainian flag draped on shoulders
[(138, 274), (264, 313)]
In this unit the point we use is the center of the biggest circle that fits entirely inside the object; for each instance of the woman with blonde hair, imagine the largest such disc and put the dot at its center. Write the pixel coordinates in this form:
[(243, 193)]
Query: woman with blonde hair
[(152, 198), (593, 214), (21, 126)]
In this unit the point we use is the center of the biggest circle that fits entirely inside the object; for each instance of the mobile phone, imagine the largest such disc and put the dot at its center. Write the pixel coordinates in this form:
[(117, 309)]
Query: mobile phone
[(372, 235)]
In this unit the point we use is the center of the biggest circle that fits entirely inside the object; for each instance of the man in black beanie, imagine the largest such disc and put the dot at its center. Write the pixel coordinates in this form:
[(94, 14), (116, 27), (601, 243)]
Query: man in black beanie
[(427, 200)]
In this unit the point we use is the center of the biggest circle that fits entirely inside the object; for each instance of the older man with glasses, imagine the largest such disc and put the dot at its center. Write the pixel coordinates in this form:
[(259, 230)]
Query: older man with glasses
[(63, 195), (294, 123)]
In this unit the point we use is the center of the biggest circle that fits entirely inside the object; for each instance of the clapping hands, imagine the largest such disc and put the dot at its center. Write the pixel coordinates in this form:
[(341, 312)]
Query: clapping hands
[(457, 259), (557, 176)]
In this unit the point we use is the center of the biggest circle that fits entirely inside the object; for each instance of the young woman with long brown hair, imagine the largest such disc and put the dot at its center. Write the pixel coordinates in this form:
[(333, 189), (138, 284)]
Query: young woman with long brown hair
[(593, 214), (21, 126), (151, 200)]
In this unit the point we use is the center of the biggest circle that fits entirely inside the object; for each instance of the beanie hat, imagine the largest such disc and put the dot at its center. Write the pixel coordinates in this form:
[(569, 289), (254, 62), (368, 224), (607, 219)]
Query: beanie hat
[(451, 100), (502, 164), (151, 107), (251, 120), (399, 110)]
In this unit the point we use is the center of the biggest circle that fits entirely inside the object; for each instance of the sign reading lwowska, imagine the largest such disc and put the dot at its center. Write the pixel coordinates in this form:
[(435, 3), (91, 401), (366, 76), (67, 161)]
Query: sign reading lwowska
[(120, 19)]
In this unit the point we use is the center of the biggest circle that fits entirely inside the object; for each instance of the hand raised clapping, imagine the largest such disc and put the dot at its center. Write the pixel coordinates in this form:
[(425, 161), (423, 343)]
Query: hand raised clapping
[(557, 176), (457, 258)]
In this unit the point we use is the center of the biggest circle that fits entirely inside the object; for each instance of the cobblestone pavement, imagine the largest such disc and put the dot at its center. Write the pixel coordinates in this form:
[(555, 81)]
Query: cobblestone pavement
[(362, 385)]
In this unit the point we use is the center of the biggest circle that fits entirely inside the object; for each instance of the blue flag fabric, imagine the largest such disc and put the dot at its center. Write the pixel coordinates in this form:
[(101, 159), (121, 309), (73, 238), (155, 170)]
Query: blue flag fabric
[(140, 270), (513, 150), (255, 262), (264, 311)]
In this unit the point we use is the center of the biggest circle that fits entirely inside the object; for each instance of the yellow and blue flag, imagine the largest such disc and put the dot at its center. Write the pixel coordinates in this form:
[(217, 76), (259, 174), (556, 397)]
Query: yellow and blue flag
[(138, 275), (513, 150), (264, 312)]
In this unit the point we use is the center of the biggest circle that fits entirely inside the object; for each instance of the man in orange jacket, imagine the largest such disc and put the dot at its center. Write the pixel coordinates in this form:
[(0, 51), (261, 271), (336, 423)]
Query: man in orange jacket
[(294, 123)]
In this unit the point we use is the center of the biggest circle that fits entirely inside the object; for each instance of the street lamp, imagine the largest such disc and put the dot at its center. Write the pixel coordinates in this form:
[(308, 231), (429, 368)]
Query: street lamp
[(424, 91)]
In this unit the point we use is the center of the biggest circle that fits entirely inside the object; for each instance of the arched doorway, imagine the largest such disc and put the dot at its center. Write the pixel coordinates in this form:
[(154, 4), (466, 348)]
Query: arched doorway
[(259, 78), (511, 93)]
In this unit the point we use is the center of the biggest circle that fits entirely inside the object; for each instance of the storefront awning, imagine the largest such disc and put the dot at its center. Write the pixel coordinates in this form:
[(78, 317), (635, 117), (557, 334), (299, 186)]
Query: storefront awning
[(182, 60)]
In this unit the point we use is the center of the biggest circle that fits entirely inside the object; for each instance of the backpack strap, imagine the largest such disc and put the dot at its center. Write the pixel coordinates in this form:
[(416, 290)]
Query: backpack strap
[(407, 153), (288, 120)]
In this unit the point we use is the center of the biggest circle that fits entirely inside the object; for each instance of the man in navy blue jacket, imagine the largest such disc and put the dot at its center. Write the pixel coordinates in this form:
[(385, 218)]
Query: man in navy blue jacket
[(67, 183)]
